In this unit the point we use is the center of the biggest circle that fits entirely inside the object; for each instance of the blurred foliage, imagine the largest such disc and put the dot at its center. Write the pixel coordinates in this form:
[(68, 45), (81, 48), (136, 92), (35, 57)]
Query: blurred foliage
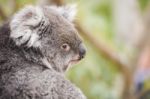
[(143, 3)]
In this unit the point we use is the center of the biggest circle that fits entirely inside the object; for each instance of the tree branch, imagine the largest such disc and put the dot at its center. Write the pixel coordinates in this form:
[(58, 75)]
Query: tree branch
[(111, 55)]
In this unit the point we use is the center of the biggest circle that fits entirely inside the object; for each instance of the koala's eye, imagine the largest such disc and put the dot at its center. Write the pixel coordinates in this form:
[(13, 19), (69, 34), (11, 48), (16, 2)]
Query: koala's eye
[(65, 47)]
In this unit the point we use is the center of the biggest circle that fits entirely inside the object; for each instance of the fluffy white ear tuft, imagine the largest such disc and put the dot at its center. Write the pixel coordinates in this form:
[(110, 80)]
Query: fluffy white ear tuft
[(68, 11), (21, 26)]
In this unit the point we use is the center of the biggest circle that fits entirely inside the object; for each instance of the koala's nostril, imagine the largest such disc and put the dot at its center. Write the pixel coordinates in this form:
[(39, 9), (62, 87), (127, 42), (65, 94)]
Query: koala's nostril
[(82, 54), (82, 51)]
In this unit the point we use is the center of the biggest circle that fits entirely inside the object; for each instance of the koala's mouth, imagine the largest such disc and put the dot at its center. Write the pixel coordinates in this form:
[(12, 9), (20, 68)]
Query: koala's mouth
[(72, 62)]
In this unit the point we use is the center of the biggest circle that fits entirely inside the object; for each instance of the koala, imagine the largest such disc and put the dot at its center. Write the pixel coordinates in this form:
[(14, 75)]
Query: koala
[(37, 46)]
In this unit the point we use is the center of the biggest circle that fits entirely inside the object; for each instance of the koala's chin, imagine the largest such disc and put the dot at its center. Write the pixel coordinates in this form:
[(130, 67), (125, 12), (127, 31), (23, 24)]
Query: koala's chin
[(74, 60)]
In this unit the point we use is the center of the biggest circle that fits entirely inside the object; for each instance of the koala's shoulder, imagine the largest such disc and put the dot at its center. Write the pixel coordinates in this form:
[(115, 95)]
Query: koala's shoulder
[(59, 84)]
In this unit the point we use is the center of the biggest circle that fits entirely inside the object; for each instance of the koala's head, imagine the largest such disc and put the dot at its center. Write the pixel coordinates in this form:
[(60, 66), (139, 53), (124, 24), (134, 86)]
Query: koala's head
[(50, 30)]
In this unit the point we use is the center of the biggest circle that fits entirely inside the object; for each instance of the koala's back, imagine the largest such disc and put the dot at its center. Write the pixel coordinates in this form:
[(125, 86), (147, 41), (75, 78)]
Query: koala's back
[(21, 79), (9, 57)]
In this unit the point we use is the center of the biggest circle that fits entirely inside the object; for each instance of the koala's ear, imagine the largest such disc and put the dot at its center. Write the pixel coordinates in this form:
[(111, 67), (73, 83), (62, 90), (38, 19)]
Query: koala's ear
[(68, 11), (21, 26)]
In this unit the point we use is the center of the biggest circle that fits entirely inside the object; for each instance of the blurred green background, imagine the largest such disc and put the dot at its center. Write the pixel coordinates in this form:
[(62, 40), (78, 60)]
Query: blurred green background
[(108, 70)]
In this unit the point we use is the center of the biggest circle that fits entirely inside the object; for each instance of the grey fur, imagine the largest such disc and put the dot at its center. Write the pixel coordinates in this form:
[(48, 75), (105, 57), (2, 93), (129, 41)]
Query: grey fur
[(32, 63)]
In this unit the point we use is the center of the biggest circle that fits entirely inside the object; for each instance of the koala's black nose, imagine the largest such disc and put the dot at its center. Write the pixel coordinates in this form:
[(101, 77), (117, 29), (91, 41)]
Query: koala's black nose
[(82, 51)]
